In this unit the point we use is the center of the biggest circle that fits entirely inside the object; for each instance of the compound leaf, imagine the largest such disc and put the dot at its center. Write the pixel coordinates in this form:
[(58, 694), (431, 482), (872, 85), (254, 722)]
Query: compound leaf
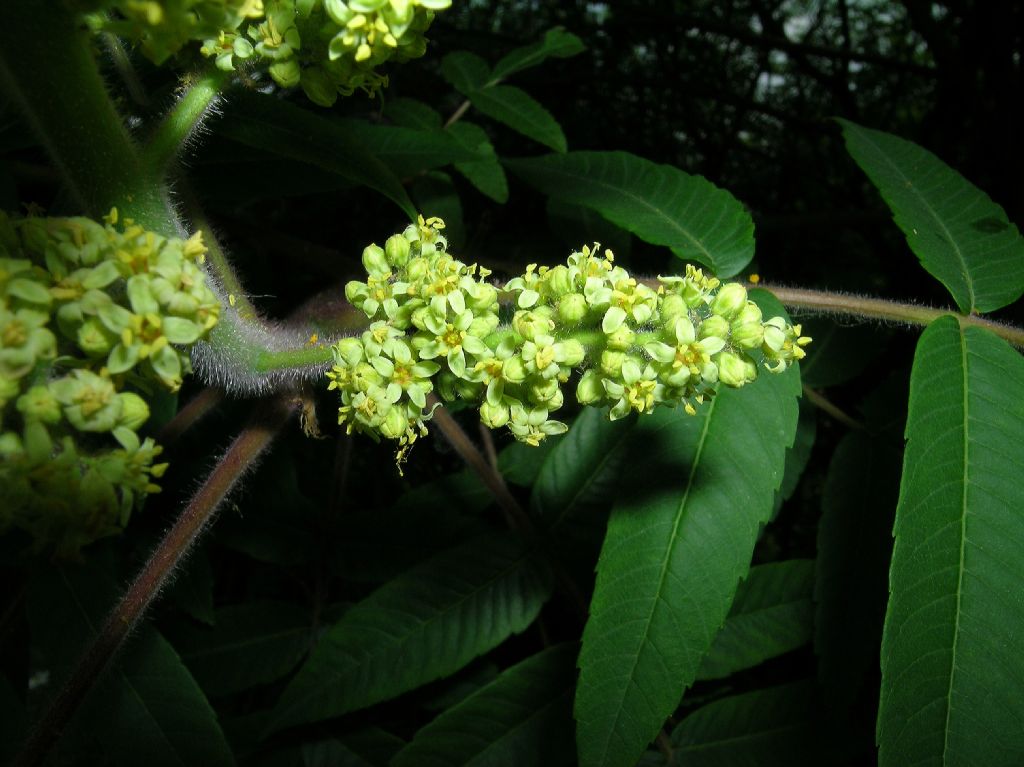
[(952, 659), (519, 718), (658, 203), (521, 112), (425, 624), (557, 42), (961, 237), (678, 542)]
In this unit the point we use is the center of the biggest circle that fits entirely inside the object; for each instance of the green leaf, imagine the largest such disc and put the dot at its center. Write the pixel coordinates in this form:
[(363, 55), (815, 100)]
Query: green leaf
[(775, 726), (522, 717), (961, 237), (798, 455), (411, 113), (521, 464), (557, 42), (485, 174), (277, 126), (425, 624), (521, 112), (658, 203), (148, 709), (952, 659), (192, 590), (253, 643), (839, 352), (695, 493), (409, 151), (465, 71), (576, 225), (854, 547), (435, 194), (772, 614)]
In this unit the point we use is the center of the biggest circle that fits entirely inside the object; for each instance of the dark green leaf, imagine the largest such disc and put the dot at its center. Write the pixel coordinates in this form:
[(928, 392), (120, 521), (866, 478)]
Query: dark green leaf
[(839, 352), (522, 717), (192, 590), (284, 129), (436, 195), (577, 225), (331, 753), (408, 151), (411, 113), (521, 112), (521, 463), (679, 539), (658, 203), (772, 614), (776, 726), (799, 454), (148, 709), (952, 652), (465, 71), (485, 174), (13, 721), (961, 237), (425, 624), (557, 42), (854, 544), (252, 644)]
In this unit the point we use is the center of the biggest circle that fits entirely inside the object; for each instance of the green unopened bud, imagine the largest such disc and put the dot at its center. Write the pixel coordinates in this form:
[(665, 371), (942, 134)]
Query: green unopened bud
[(134, 411), (735, 370), (570, 353), (621, 338), (572, 308), (286, 73), (748, 336), (9, 389), (483, 326), (541, 392), (348, 351), (514, 370), (714, 326), (558, 281), (93, 338), (494, 416), (38, 445), (749, 313), (672, 306), (589, 390), (530, 324), (40, 404), (611, 363), (375, 261), (397, 250), (395, 423), (10, 445), (731, 299)]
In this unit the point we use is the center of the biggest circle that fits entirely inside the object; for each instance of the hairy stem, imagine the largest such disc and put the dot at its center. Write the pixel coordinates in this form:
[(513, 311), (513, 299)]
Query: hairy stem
[(243, 452), (199, 94), (65, 102)]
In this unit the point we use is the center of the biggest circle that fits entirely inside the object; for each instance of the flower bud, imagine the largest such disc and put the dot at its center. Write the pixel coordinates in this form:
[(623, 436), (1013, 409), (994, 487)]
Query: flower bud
[(397, 250), (621, 338), (93, 338), (40, 404), (714, 326), (514, 370), (731, 299), (494, 416), (542, 391), (569, 352), (672, 306), (735, 370), (748, 336), (749, 313), (533, 323), (558, 281), (589, 390), (348, 351), (134, 410), (572, 308), (374, 260), (395, 423), (611, 363)]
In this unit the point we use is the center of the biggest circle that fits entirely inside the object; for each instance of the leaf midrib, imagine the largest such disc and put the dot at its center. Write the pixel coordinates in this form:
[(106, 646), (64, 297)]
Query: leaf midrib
[(963, 542), (664, 565)]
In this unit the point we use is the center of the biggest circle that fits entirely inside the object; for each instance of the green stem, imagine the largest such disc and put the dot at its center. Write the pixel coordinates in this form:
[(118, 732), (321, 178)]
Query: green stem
[(289, 359), (64, 100), (200, 94)]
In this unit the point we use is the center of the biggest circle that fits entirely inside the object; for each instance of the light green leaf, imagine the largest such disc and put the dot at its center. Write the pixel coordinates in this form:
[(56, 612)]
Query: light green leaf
[(557, 42), (522, 717), (658, 203), (521, 112), (148, 709), (961, 237), (772, 614), (679, 539), (465, 71), (279, 127), (425, 624), (251, 644), (486, 174), (775, 726), (952, 648)]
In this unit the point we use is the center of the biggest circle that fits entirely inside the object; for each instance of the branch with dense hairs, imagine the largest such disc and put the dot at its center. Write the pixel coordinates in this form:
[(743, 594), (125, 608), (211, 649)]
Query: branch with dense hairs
[(268, 420)]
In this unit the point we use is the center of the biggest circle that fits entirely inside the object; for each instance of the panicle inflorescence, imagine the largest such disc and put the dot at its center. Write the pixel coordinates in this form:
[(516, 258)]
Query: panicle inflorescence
[(328, 47), (88, 312), (436, 324)]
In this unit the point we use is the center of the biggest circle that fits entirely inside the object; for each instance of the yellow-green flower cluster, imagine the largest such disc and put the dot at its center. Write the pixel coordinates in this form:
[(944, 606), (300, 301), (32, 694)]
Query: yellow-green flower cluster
[(87, 310), (329, 47), (164, 27), (436, 324)]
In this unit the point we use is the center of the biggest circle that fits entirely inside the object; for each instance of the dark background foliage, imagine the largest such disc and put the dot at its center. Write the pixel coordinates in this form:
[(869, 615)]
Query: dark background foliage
[(741, 92)]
